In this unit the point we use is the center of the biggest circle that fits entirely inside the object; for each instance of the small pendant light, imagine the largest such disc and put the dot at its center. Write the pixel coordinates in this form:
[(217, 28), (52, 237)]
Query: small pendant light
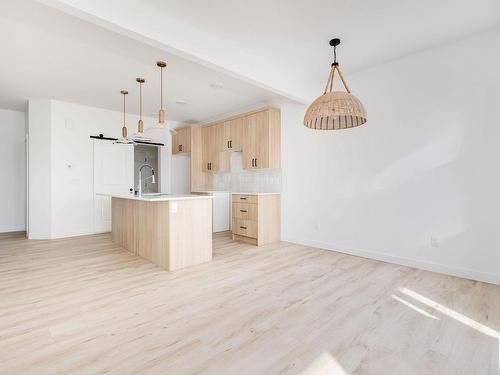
[(140, 136), (335, 109), (161, 113), (124, 138)]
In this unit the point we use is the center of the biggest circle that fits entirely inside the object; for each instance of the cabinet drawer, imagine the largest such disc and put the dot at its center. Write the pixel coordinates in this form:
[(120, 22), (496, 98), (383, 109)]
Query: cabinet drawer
[(245, 227), (244, 198), (246, 211)]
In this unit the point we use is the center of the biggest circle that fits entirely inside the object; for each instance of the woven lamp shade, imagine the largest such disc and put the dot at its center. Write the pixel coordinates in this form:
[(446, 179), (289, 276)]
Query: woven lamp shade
[(335, 110)]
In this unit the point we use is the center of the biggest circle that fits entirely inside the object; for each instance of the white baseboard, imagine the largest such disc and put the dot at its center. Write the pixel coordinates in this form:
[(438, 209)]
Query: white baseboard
[(38, 236), (409, 262), (11, 229)]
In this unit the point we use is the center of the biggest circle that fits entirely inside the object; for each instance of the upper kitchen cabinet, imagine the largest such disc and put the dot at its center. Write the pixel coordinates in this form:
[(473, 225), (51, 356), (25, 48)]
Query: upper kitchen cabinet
[(214, 159), (262, 139), (233, 134), (181, 142)]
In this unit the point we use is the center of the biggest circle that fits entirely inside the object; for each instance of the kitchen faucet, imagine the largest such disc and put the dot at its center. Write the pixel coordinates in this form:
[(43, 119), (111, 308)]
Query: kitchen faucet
[(152, 177)]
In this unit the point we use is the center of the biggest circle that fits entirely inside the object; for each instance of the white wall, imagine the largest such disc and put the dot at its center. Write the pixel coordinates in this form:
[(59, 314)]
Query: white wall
[(425, 165), (12, 171), (63, 136)]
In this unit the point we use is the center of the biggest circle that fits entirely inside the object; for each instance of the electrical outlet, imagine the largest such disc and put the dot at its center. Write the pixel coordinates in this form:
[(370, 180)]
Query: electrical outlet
[(434, 241)]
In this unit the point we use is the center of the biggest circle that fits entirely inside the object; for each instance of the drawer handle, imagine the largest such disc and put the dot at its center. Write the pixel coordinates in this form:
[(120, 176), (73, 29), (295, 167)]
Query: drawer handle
[(243, 227), (243, 211), (244, 198)]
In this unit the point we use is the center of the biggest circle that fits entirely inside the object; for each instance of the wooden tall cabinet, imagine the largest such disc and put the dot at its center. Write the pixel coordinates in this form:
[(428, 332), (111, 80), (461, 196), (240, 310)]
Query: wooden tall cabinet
[(261, 142)]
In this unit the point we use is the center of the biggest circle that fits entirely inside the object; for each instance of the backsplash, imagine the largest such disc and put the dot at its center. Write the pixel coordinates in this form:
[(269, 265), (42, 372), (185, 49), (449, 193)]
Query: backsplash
[(240, 180)]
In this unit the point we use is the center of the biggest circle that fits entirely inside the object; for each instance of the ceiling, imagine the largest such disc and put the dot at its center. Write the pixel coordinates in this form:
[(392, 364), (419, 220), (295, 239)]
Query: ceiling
[(51, 54), (282, 45), (86, 51)]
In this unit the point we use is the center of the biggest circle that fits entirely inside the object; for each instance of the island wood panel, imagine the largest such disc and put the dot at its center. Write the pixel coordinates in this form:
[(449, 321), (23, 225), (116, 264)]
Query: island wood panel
[(190, 233), (171, 234), (122, 223), (151, 232)]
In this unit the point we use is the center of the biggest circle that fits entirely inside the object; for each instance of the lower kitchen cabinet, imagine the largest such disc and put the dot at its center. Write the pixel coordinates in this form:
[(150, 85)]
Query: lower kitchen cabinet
[(256, 218)]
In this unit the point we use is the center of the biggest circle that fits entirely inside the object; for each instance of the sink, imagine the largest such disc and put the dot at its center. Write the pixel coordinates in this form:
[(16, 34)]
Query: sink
[(152, 194)]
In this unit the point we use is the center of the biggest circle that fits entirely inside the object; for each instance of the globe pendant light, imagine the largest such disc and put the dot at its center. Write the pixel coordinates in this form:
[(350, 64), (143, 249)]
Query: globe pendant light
[(124, 138), (335, 109), (140, 136)]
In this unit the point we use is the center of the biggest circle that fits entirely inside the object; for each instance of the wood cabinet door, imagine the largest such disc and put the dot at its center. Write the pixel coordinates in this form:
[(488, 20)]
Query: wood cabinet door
[(236, 133), (225, 141), (206, 135), (181, 142), (262, 140), (176, 142), (185, 145), (249, 141), (256, 141)]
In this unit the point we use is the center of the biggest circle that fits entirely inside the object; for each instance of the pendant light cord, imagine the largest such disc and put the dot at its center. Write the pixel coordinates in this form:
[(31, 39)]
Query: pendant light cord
[(140, 101), (123, 109), (161, 88)]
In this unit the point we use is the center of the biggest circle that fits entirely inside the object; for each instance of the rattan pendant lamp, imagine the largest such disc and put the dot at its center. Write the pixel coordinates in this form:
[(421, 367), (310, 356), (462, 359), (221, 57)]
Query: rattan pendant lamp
[(335, 109)]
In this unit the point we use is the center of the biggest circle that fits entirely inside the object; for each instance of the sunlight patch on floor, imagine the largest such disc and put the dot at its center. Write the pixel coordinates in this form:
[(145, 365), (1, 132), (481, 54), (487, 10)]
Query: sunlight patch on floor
[(325, 364), (455, 315), (412, 306)]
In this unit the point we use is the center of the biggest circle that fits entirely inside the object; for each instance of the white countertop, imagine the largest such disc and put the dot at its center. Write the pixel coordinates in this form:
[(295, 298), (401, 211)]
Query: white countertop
[(162, 197), (255, 193), (211, 191), (232, 192)]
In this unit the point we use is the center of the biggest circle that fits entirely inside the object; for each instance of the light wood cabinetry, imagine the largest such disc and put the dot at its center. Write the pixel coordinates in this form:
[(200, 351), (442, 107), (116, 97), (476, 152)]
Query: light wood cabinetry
[(214, 159), (233, 134), (256, 218), (261, 145), (181, 142), (256, 133)]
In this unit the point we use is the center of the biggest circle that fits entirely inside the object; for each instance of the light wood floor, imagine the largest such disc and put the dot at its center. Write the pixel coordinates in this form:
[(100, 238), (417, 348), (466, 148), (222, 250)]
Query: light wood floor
[(85, 306)]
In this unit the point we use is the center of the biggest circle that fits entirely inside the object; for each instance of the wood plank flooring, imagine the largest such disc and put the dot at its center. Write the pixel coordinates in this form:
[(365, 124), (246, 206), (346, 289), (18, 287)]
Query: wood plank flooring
[(85, 306)]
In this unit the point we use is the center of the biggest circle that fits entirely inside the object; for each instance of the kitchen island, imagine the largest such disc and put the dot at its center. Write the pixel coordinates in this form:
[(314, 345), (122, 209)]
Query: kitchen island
[(172, 231)]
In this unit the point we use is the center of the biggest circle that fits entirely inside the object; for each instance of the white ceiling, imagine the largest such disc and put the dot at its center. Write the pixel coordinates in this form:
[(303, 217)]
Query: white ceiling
[(282, 45), (50, 54), (85, 51)]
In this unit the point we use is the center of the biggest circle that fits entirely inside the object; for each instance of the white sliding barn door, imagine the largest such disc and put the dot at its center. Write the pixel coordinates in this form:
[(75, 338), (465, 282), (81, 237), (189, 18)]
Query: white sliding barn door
[(113, 174)]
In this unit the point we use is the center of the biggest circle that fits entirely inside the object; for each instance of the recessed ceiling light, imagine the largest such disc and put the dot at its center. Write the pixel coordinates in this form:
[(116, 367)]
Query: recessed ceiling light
[(217, 85), (181, 102)]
